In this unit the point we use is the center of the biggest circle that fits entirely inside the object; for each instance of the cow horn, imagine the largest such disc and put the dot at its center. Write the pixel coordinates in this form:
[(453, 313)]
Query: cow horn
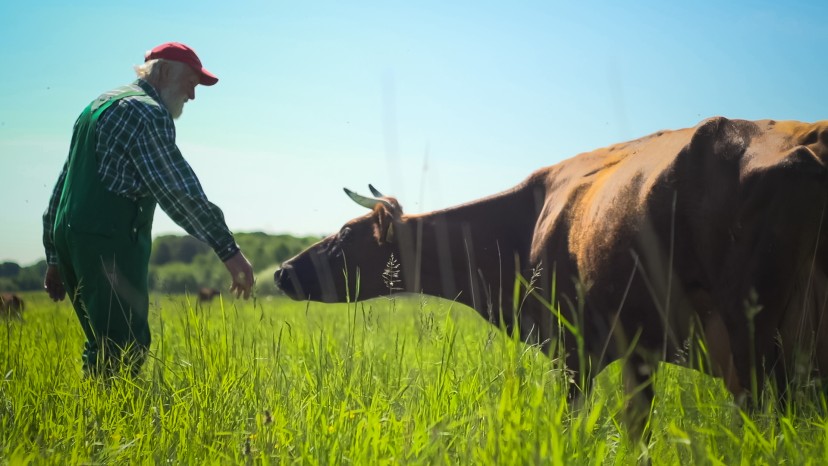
[(367, 202), (374, 191)]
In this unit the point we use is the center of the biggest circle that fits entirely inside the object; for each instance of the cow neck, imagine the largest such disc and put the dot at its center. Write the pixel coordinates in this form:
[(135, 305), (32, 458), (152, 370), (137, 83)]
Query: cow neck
[(443, 253)]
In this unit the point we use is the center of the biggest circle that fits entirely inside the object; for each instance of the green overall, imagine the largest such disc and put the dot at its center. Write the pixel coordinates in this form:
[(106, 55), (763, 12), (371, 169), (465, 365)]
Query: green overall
[(103, 245)]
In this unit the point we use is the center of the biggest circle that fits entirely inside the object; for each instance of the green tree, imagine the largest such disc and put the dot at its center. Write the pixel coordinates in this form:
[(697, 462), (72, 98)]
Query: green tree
[(9, 269)]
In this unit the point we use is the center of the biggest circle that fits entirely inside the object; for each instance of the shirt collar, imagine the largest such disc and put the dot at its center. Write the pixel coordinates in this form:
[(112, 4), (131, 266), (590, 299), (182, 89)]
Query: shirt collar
[(152, 92), (147, 87)]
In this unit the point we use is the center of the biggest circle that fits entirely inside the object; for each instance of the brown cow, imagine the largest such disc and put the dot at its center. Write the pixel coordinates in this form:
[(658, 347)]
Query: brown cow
[(206, 294), (11, 304), (713, 232)]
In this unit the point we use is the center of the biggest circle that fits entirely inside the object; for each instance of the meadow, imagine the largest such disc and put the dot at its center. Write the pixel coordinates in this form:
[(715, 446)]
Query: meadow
[(407, 380)]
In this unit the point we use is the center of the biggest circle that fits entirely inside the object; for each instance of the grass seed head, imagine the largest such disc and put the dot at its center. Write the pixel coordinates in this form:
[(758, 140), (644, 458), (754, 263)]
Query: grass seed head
[(391, 274)]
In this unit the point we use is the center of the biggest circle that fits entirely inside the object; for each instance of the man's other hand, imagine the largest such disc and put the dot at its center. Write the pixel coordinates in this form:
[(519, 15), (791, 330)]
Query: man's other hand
[(54, 284)]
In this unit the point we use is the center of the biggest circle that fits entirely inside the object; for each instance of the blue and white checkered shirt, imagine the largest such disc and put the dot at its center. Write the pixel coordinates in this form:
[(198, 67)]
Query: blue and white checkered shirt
[(139, 158)]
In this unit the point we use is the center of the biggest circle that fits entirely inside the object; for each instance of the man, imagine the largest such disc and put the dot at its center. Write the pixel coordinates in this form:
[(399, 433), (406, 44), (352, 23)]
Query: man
[(123, 160)]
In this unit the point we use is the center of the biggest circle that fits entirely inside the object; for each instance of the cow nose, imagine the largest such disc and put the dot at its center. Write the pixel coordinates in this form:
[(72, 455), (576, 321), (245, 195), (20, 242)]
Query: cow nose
[(282, 276), (287, 281)]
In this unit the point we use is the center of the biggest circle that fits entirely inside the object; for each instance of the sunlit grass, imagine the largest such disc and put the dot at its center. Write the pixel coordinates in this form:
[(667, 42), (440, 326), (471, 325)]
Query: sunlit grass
[(418, 380)]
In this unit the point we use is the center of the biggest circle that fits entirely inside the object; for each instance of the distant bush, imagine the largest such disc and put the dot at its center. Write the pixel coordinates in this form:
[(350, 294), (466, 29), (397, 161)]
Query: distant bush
[(169, 248), (9, 269)]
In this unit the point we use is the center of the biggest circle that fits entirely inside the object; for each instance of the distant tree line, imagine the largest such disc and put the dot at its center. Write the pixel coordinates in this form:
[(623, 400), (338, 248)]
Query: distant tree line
[(13, 277), (184, 264)]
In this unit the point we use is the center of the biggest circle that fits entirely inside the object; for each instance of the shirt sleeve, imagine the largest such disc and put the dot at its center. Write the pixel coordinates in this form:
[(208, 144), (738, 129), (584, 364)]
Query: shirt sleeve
[(49, 218), (176, 188)]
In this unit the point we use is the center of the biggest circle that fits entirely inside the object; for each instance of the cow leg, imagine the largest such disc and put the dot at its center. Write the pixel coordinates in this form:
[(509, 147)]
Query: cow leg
[(719, 351), (638, 387), (639, 363)]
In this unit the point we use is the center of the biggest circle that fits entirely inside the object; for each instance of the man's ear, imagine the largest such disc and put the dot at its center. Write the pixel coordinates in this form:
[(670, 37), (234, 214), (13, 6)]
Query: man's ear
[(160, 75), (169, 71)]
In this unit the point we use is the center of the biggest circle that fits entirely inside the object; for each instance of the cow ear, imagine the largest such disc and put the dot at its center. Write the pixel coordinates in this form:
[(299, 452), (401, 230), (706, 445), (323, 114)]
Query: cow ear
[(389, 233), (384, 226)]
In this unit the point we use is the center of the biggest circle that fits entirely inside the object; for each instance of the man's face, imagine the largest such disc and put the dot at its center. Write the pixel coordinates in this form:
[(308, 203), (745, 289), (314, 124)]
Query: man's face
[(178, 87)]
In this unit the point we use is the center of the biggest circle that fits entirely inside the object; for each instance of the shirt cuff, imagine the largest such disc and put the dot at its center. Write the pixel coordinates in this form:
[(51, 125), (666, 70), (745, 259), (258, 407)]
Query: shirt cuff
[(51, 258), (226, 252)]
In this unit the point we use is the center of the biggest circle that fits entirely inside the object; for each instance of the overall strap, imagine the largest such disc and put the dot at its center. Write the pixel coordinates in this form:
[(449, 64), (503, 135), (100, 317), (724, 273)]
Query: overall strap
[(100, 104)]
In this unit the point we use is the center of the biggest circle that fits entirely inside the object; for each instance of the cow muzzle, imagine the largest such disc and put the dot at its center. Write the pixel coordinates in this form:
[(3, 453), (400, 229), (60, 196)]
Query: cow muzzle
[(308, 280), (286, 280)]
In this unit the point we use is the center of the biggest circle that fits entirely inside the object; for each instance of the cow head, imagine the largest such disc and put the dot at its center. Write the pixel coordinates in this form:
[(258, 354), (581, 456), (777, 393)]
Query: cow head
[(351, 261), (11, 304), (207, 293)]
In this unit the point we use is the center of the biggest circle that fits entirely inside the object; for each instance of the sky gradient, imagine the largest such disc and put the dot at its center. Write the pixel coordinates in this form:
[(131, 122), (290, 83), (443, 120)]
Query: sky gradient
[(437, 103)]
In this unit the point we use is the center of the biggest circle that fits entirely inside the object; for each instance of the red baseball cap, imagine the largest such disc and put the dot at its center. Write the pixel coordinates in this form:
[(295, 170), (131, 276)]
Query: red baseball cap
[(179, 52)]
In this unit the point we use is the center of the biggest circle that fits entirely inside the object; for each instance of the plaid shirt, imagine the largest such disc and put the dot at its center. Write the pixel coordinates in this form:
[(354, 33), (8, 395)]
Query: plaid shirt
[(139, 158)]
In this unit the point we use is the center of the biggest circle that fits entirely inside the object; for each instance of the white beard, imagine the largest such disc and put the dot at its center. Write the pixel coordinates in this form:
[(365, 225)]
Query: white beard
[(173, 101)]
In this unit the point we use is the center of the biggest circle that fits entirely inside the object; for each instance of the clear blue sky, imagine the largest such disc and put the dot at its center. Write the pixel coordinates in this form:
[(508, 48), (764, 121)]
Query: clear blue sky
[(437, 102)]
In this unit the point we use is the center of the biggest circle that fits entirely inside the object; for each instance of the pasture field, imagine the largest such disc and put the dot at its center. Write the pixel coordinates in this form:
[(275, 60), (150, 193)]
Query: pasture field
[(410, 380)]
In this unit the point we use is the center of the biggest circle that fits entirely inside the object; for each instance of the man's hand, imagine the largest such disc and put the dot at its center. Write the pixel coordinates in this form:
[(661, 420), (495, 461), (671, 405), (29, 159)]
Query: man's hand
[(54, 284), (242, 274)]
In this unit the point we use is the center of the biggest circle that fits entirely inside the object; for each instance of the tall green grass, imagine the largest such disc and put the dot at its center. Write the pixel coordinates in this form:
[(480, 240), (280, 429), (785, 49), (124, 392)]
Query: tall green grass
[(414, 380)]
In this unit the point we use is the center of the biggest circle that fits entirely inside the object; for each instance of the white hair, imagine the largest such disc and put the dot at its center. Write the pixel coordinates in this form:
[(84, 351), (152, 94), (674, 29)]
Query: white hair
[(149, 71)]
